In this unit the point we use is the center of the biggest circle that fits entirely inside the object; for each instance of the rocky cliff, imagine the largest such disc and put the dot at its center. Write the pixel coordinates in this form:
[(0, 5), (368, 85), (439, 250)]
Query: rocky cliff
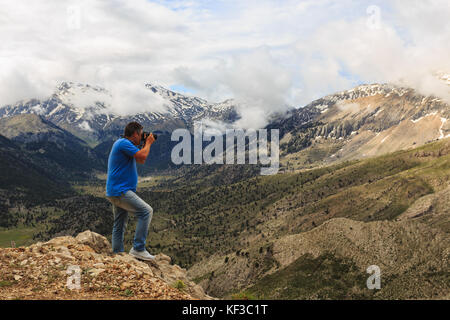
[(84, 267)]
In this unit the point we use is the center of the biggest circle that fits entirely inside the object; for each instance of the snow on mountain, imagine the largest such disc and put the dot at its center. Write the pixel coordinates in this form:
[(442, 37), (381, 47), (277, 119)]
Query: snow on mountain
[(365, 121), (85, 110)]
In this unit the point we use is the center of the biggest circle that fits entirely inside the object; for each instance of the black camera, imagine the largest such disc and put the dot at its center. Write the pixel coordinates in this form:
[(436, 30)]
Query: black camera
[(146, 134)]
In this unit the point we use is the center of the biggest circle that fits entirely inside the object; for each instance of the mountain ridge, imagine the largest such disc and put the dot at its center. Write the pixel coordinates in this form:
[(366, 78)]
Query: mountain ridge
[(79, 109)]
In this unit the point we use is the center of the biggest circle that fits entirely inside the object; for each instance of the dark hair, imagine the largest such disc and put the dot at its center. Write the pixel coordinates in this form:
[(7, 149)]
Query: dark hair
[(131, 128)]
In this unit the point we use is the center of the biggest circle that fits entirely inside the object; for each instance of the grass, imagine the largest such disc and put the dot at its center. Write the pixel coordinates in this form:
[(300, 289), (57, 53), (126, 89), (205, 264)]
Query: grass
[(7, 283), (179, 285), (127, 293), (21, 236)]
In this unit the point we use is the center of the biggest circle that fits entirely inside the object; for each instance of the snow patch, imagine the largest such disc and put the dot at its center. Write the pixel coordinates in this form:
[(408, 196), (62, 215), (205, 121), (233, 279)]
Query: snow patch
[(427, 115), (58, 108), (85, 126), (37, 109), (377, 112), (384, 139), (441, 136)]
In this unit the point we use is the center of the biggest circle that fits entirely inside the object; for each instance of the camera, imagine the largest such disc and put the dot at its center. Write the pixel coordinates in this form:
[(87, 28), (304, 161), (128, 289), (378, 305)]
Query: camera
[(146, 134)]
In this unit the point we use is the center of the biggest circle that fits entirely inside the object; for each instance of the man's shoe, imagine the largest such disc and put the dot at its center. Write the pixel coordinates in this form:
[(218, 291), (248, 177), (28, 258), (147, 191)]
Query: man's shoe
[(142, 255)]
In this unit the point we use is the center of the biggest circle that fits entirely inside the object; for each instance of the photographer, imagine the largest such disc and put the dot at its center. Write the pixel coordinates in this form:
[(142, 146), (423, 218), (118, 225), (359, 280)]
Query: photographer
[(121, 187)]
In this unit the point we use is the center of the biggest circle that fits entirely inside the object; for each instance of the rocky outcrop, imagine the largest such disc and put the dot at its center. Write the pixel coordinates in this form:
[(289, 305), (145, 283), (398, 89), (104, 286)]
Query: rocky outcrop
[(366, 121), (97, 242), (84, 267)]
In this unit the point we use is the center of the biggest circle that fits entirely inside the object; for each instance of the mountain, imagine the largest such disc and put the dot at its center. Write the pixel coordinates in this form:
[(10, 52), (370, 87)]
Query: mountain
[(366, 121), (83, 110), (23, 182), (324, 226), (306, 233), (56, 151), (312, 234), (21, 173), (44, 270), (38, 162)]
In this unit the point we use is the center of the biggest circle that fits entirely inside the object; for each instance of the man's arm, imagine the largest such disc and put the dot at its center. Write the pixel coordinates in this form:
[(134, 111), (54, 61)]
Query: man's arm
[(142, 154)]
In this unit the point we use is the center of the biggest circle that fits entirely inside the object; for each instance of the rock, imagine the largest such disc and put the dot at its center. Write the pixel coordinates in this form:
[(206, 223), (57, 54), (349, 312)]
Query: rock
[(125, 285), (60, 241), (162, 258), (63, 250), (63, 256), (94, 240), (99, 265), (95, 271), (92, 252)]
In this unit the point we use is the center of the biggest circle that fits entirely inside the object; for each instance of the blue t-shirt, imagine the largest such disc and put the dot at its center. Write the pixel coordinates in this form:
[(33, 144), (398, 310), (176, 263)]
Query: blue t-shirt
[(122, 172)]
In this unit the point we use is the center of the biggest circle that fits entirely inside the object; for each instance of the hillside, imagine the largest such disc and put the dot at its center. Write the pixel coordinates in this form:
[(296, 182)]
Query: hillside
[(56, 151), (23, 183), (40, 271), (348, 216), (362, 122), (330, 262), (239, 232), (194, 220)]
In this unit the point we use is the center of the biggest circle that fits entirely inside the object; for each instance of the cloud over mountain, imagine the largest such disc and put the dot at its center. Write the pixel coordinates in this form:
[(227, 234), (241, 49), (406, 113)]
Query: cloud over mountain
[(265, 54)]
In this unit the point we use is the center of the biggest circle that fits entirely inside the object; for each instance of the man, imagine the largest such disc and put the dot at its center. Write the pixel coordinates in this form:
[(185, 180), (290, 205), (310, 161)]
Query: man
[(121, 187)]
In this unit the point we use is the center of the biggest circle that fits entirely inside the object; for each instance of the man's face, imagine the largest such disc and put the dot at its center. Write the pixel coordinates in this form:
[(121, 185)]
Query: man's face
[(136, 137)]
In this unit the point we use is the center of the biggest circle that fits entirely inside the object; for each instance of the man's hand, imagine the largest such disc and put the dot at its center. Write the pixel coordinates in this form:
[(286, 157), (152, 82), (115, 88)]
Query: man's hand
[(150, 139), (142, 154)]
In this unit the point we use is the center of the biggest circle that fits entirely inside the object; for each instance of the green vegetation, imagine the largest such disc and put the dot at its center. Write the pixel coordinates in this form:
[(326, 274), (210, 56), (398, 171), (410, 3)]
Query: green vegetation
[(324, 277), (179, 284), (127, 293), (21, 237), (196, 215), (7, 283), (194, 218), (244, 295), (193, 222)]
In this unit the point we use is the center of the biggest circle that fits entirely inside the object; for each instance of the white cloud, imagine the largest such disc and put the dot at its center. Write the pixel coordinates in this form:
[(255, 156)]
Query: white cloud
[(266, 54)]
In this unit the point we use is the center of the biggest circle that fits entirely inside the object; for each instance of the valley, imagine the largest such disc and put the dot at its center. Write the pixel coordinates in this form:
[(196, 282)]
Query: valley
[(353, 190)]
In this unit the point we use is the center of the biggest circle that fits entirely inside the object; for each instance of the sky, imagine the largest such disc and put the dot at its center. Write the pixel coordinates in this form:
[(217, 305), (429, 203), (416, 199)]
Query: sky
[(267, 55)]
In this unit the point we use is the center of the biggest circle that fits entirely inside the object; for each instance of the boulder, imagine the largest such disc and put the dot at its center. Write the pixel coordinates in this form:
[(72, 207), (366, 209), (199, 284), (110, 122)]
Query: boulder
[(94, 240)]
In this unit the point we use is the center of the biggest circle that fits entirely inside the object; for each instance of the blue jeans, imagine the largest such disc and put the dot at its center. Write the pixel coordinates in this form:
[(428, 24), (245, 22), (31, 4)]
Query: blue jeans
[(122, 205)]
